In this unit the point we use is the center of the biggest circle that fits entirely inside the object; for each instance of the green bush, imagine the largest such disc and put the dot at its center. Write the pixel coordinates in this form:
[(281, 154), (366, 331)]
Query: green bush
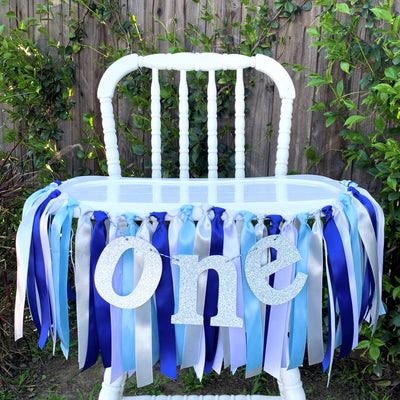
[(361, 40)]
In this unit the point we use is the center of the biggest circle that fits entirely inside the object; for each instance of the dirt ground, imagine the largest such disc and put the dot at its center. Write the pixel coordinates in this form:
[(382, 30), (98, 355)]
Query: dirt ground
[(50, 375)]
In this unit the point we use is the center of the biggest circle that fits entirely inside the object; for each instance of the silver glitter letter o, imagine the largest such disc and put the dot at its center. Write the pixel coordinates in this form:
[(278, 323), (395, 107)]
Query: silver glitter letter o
[(148, 281), (257, 275)]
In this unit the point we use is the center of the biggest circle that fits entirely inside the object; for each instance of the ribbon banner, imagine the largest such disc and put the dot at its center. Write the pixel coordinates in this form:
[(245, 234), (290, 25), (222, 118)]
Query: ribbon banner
[(234, 289)]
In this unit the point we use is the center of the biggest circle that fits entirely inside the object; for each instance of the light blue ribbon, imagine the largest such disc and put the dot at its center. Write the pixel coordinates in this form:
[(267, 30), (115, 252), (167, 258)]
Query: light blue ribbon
[(60, 236), (298, 318), (32, 198), (252, 309), (351, 215), (185, 247), (128, 315)]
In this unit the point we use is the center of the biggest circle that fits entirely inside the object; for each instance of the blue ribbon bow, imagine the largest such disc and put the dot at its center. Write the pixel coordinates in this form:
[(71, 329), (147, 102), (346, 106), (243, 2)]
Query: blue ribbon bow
[(340, 284), (36, 279), (165, 300), (210, 306)]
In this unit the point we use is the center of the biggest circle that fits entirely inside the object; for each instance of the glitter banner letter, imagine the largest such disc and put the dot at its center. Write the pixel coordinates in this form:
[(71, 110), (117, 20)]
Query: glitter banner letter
[(190, 270), (257, 275), (148, 281)]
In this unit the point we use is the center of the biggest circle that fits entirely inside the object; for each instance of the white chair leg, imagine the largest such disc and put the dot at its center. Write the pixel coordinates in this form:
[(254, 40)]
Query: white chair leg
[(114, 390), (290, 385)]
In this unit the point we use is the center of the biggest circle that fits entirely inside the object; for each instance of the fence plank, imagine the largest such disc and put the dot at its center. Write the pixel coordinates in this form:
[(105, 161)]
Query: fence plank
[(308, 128)]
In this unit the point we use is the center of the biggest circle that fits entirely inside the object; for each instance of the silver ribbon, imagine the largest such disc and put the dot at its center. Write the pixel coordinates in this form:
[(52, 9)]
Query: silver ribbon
[(82, 282), (315, 342), (367, 234), (237, 336), (143, 323)]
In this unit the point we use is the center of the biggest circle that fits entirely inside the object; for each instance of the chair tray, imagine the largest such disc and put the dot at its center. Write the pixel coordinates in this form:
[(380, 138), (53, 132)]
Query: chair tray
[(287, 196)]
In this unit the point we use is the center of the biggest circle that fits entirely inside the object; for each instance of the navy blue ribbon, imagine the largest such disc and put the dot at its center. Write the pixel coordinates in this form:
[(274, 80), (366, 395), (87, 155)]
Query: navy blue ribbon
[(337, 267), (36, 278), (165, 300), (275, 221), (211, 301), (368, 289), (99, 310)]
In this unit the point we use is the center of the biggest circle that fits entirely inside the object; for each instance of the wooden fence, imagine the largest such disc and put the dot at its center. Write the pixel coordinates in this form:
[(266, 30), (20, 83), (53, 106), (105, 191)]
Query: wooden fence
[(308, 127)]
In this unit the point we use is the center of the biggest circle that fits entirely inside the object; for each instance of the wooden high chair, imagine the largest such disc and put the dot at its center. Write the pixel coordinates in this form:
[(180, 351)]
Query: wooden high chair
[(281, 194)]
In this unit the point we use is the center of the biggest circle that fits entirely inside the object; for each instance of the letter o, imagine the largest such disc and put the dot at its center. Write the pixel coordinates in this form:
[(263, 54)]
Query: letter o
[(148, 281)]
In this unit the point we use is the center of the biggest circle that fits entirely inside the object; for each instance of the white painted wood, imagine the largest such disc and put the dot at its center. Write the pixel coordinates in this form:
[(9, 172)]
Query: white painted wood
[(155, 126), (183, 127), (282, 151), (205, 397), (194, 61), (281, 194), (290, 387), (212, 126), (239, 125), (110, 138)]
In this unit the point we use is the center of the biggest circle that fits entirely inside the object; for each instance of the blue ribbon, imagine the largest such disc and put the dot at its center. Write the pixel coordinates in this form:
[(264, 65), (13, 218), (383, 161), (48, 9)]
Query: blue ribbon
[(252, 309), (165, 300), (351, 215), (60, 236), (185, 246), (210, 306), (32, 198), (368, 290), (340, 282), (99, 310), (128, 315), (37, 276), (275, 221), (298, 318)]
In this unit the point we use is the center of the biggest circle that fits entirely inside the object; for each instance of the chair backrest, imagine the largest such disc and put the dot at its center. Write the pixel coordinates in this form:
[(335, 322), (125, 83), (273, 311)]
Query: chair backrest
[(184, 62)]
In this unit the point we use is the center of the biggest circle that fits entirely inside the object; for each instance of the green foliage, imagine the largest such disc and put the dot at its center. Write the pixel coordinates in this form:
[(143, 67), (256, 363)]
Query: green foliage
[(361, 40), (35, 86)]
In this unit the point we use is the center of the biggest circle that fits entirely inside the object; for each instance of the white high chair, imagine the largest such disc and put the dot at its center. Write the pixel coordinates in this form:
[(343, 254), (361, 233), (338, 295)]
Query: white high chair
[(279, 194)]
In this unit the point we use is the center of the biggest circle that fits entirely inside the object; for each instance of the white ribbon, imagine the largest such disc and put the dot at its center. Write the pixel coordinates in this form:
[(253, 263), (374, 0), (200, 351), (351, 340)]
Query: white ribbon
[(380, 239), (82, 282), (143, 322), (315, 343), (276, 343), (237, 336), (367, 234)]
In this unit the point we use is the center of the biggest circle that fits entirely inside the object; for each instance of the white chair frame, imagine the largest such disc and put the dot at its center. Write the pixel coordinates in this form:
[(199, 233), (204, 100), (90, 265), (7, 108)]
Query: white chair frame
[(266, 195)]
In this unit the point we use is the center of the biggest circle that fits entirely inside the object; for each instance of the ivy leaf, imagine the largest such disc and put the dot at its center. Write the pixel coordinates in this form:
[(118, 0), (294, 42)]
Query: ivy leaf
[(380, 124), (381, 13), (353, 120), (10, 14), (307, 6), (385, 88), (374, 352), (396, 292), (392, 182), (343, 7), (345, 66), (339, 87)]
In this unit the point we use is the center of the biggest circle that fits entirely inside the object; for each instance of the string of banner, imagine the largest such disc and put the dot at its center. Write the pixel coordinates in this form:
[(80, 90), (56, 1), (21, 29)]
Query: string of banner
[(229, 290)]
